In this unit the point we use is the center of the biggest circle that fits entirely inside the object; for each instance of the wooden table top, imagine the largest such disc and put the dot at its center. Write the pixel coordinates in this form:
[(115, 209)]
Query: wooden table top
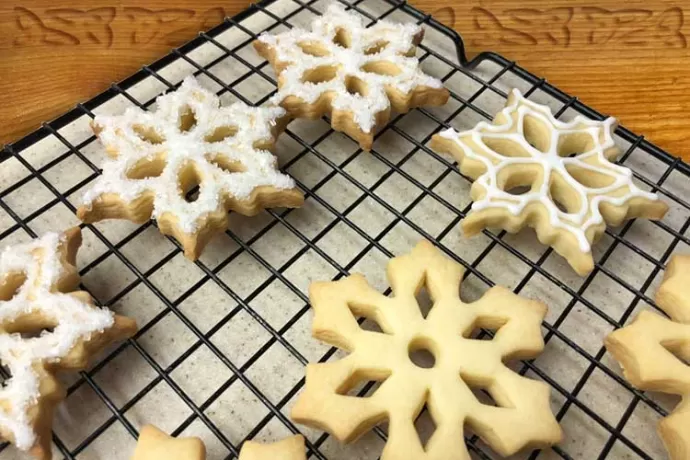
[(629, 61)]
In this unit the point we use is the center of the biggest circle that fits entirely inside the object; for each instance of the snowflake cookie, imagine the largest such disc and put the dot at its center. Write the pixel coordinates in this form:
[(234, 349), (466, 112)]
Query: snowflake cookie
[(522, 416), (291, 448), (153, 444), (353, 73), (46, 326), (188, 141), (654, 353), (531, 169)]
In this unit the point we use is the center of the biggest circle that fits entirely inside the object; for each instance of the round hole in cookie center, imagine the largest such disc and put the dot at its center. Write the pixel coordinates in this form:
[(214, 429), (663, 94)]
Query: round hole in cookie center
[(420, 352)]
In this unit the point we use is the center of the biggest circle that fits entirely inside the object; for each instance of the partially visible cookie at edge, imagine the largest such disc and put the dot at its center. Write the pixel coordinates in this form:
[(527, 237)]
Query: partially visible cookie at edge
[(654, 351), (46, 326), (290, 448), (153, 444)]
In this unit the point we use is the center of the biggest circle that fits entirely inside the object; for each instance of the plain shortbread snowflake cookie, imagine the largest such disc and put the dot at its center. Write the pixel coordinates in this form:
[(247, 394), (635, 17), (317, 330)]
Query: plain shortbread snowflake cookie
[(531, 169), (522, 415), (46, 326), (189, 141), (654, 352), (353, 73)]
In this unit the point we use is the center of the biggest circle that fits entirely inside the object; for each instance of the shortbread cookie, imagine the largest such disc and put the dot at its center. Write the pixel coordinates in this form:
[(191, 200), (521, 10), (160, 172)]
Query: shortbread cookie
[(531, 169), (189, 140), (654, 351), (291, 448), (46, 326), (352, 73), (153, 444), (522, 418)]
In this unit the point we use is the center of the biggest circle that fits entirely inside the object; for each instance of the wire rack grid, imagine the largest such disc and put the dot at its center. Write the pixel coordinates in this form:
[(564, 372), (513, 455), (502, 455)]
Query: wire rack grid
[(223, 341)]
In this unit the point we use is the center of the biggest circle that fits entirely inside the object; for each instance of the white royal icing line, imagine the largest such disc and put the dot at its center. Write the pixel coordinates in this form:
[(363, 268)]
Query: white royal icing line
[(39, 261), (576, 223), (349, 62), (180, 148)]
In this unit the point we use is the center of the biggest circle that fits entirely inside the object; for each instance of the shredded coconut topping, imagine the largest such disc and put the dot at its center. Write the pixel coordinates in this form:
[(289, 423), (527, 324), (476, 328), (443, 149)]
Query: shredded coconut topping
[(595, 160), (189, 128), (39, 264), (339, 41)]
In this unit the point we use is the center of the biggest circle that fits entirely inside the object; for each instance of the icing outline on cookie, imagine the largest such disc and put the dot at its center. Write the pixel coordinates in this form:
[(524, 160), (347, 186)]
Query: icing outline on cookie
[(502, 147)]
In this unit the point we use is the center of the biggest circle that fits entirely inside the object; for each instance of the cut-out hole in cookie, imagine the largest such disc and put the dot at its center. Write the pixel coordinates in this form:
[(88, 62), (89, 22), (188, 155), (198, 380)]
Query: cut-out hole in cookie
[(11, 284), (148, 134), (424, 425), (421, 352), (519, 179), (375, 322), (342, 38), (519, 190), (481, 388), (479, 329), (220, 134), (313, 48), (320, 74), (571, 144), (424, 301), (147, 167), (381, 68), (187, 119), (189, 182), (29, 325), (563, 195), (679, 349), (537, 133), (376, 48), (589, 178), (355, 86), (363, 383), (226, 164), (505, 147)]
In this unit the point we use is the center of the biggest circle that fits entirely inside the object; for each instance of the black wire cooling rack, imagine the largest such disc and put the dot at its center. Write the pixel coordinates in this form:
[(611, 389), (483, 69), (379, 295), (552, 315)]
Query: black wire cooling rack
[(607, 420)]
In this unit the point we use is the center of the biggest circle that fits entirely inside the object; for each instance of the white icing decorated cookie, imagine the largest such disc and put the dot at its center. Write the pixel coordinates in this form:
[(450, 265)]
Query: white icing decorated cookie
[(189, 141), (531, 169), (45, 326), (349, 71)]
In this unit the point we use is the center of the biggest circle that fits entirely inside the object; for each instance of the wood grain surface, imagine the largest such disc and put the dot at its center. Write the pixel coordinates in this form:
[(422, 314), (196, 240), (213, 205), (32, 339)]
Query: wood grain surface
[(629, 60)]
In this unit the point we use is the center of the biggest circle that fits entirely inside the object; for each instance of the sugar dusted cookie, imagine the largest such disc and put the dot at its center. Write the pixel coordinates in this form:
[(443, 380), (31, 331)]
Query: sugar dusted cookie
[(153, 444), (522, 416), (649, 348), (189, 140), (531, 169), (46, 326), (352, 73), (291, 448)]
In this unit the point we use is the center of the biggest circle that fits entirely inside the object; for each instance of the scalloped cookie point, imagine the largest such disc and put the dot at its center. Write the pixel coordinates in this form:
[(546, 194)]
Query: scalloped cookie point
[(352, 73), (47, 326), (187, 164), (153, 444), (290, 448), (532, 170), (654, 352), (446, 385)]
